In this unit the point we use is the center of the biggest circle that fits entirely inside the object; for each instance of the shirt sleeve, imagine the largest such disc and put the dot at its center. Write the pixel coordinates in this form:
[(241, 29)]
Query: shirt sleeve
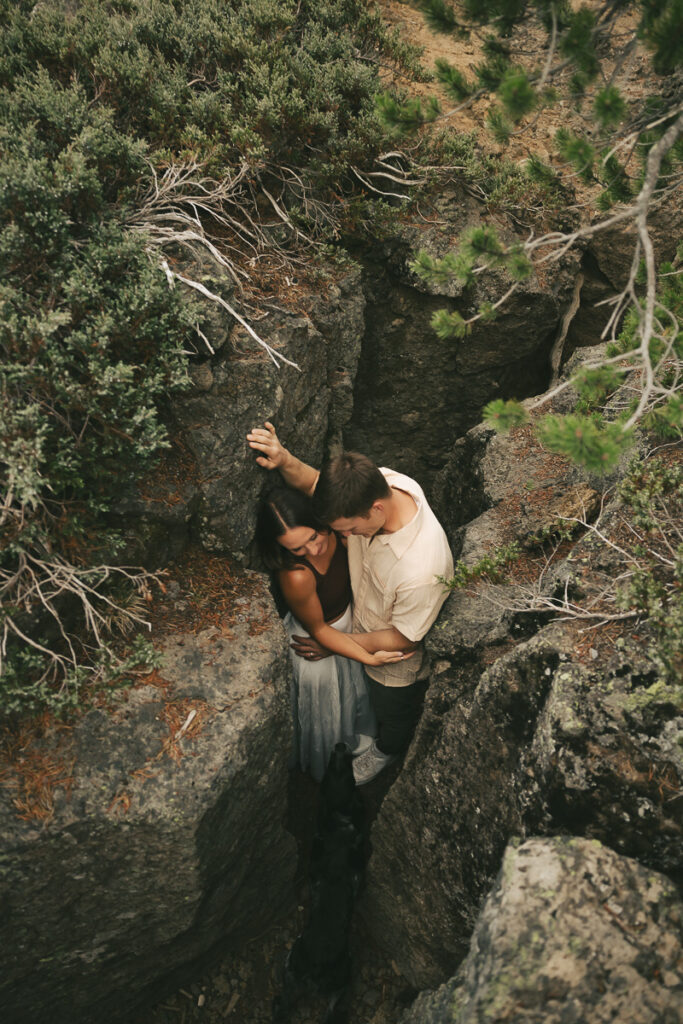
[(416, 607)]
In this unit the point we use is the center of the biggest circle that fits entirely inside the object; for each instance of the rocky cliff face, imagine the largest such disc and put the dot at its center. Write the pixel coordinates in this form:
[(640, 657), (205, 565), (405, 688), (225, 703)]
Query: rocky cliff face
[(165, 838), (167, 842), (570, 933), (415, 392), (443, 826), (240, 387), (373, 376), (564, 733)]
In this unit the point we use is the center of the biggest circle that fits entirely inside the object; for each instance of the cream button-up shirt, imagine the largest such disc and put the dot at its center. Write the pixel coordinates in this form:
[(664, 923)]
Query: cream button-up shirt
[(394, 581)]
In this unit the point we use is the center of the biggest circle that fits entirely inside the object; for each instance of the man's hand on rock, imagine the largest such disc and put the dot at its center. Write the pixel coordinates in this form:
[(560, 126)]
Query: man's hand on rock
[(264, 440)]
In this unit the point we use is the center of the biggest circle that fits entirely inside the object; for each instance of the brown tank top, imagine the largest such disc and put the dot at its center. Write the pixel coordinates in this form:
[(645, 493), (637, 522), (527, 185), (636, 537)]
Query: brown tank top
[(334, 586)]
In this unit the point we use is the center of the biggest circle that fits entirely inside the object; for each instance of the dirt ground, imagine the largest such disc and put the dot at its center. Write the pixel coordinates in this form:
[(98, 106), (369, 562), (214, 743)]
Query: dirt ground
[(536, 133)]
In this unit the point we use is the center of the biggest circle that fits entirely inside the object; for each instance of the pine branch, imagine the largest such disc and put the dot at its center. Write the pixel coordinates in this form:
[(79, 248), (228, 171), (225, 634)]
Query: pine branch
[(440, 16), (453, 80)]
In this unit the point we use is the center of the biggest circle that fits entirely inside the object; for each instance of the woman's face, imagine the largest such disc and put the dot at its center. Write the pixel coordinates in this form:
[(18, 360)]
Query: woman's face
[(304, 540)]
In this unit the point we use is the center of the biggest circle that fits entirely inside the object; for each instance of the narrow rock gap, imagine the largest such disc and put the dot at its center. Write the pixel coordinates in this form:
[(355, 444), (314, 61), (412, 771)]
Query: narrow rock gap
[(415, 394), (240, 985)]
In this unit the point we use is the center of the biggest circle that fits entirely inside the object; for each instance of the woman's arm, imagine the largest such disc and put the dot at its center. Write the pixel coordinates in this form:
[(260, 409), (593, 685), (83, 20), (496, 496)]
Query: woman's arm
[(389, 639), (274, 455), (298, 588)]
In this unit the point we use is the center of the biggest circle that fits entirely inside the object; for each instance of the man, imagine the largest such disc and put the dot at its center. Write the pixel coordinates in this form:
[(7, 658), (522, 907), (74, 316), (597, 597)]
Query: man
[(397, 550)]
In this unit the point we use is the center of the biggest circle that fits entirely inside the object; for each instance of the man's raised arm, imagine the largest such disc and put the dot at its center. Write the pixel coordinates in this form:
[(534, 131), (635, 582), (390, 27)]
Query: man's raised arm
[(273, 455)]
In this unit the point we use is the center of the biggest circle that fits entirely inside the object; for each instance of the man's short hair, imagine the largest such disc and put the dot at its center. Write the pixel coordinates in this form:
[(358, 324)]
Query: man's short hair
[(348, 486)]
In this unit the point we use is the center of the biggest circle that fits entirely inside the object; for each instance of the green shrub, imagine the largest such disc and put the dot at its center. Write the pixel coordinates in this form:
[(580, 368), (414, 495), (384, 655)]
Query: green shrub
[(491, 566), (263, 80), (91, 341)]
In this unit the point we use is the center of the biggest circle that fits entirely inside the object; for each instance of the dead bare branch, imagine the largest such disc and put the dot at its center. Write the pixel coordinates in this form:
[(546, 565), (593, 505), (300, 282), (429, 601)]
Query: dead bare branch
[(274, 355)]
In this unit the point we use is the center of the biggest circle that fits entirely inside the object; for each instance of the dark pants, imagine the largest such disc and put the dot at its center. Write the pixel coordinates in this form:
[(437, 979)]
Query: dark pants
[(398, 709)]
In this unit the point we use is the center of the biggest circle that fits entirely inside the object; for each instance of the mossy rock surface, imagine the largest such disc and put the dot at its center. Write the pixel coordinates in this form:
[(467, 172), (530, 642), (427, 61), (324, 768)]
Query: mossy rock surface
[(570, 933)]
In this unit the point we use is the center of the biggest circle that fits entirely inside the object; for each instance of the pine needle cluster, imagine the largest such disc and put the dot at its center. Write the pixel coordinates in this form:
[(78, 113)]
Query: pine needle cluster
[(590, 443), (577, 151), (454, 82), (440, 15), (401, 116)]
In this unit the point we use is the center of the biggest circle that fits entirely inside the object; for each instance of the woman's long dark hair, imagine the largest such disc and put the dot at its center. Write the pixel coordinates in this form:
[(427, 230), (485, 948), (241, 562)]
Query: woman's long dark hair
[(281, 509)]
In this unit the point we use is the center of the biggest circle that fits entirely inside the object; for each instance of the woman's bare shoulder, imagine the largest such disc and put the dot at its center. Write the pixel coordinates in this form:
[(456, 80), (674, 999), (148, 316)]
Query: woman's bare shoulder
[(298, 577)]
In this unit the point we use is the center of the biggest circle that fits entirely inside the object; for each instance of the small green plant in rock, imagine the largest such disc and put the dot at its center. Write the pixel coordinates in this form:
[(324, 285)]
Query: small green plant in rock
[(491, 566), (25, 689)]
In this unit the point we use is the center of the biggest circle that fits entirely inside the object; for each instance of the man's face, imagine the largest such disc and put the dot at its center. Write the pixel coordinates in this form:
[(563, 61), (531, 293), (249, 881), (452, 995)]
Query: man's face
[(361, 526)]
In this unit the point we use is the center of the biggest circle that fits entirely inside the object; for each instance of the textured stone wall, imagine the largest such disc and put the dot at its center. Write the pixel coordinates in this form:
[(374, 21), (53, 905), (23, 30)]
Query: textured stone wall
[(524, 730), (571, 933), (443, 826), (415, 393), (240, 388), (165, 848)]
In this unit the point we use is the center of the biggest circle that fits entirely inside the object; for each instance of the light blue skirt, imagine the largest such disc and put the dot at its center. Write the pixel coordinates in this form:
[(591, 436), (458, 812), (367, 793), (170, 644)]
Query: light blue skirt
[(330, 702)]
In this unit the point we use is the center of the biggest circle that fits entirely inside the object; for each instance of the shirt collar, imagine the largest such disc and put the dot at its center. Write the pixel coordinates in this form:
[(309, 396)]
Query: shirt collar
[(400, 540)]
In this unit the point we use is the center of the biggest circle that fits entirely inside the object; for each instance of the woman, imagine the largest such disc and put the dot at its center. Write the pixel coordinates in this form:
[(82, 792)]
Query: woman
[(329, 697)]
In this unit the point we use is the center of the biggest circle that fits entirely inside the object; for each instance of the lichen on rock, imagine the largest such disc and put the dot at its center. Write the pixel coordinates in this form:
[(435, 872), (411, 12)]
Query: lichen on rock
[(571, 932)]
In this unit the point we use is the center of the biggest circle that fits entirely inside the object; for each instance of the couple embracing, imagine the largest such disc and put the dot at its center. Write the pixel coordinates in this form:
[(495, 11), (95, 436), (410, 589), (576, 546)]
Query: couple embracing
[(356, 552)]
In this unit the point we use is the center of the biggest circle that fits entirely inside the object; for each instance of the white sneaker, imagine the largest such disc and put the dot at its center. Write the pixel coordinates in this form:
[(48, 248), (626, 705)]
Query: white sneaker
[(363, 742), (370, 763)]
